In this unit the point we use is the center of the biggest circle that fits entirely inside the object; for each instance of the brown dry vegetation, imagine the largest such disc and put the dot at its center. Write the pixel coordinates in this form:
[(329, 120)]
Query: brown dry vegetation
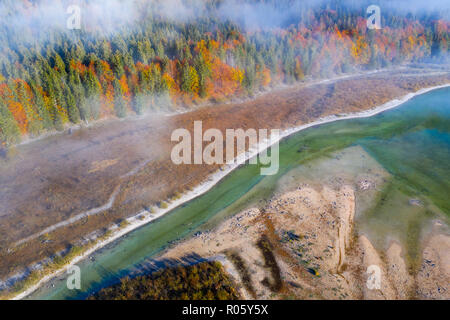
[(48, 181)]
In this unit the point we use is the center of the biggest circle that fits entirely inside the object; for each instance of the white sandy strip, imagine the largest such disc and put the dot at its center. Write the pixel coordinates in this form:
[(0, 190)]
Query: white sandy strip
[(213, 179)]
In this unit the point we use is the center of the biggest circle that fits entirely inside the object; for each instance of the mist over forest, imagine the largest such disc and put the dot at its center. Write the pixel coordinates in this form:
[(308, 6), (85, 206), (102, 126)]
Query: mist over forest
[(134, 56)]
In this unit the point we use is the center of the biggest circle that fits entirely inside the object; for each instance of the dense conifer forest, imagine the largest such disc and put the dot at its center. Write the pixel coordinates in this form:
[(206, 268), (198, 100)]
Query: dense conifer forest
[(52, 77)]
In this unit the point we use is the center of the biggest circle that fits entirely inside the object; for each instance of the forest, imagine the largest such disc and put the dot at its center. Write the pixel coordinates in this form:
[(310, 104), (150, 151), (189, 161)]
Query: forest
[(201, 281), (52, 77)]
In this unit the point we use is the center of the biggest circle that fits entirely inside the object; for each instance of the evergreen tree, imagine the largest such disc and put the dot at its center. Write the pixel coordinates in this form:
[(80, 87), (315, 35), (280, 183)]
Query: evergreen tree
[(9, 130), (74, 113), (119, 103)]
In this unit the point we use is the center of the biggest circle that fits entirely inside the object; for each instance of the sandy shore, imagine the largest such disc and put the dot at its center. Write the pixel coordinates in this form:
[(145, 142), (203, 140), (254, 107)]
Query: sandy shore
[(303, 213), (318, 252), (136, 222), (433, 279)]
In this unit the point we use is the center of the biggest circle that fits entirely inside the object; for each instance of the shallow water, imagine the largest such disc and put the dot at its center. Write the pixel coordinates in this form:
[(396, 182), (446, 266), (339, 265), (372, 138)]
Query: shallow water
[(411, 143)]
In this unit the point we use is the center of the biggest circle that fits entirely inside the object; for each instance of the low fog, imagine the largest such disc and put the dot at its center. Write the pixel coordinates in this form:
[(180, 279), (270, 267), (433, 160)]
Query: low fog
[(108, 16)]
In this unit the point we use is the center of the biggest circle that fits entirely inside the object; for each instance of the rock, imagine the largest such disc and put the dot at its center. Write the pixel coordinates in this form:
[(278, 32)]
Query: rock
[(365, 184), (415, 202)]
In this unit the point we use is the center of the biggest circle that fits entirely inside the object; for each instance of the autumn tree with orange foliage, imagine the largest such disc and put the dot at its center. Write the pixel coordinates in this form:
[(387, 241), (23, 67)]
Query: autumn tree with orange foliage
[(161, 65)]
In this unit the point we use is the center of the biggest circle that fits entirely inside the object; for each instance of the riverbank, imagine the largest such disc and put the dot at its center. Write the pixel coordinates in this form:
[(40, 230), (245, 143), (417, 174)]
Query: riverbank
[(217, 177), (239, 160), (312, 232)]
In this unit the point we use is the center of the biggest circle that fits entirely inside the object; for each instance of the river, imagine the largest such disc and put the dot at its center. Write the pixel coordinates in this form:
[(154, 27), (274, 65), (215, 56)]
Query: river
[(411, 142)]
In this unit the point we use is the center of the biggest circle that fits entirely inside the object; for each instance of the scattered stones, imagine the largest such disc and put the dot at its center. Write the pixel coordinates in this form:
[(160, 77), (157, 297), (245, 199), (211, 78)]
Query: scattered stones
[(415, 202), (366, 185)]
